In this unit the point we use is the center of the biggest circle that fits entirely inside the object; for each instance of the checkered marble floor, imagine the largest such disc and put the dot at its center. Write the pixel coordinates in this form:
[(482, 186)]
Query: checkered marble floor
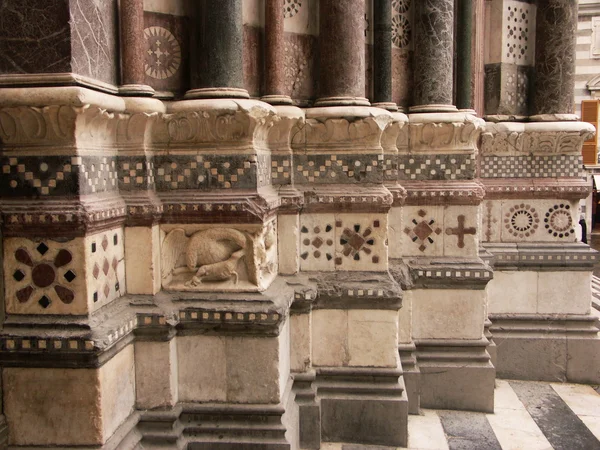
[(528, 416)]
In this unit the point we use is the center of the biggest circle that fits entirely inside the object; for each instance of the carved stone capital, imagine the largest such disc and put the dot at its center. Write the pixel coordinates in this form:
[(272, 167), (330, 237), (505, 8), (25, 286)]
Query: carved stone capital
[(535, 138), (224, 123), (345, 129), (444, 132)]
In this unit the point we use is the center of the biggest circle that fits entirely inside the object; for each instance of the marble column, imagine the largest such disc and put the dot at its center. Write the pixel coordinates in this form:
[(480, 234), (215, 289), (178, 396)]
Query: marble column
[(217, 50), (131, 15), (382, 55), (434, 43), (555, 56), (464, 33), (274, 54), (342, 47)]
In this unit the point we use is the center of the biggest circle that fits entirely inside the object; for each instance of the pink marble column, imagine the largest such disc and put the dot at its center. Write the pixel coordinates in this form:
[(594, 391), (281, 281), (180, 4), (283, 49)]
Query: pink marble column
[(274, 49), (132, 49), (342, 47)]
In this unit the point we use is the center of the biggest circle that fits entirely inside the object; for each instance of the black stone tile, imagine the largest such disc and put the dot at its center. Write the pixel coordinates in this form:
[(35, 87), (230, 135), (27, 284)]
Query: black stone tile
[(468, 431), (561, 426)]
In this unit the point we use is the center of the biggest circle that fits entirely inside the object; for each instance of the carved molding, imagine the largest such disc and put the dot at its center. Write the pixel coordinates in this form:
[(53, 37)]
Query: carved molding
[(544, 138), (444, 133)]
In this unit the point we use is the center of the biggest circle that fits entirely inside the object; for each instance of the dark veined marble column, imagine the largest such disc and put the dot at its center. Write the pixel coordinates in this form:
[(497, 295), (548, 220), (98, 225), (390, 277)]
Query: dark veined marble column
[(434, 40), (217, 50), (382, 55), (342, 47), (555, 56), (274, 54), (131, 15), (464, 34)]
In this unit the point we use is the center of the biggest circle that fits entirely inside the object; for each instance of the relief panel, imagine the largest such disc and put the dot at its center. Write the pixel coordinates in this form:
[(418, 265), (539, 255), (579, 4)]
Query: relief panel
[(238, 258)]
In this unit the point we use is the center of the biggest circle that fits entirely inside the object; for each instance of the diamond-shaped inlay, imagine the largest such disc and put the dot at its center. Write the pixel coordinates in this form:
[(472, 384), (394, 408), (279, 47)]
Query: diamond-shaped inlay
[(106, 290), (69, 275), (44, 302), (96, 271), (104, 242), (317, 242), (18, 275), (423, 231), (115, 263), (105, 266), (42, 249)]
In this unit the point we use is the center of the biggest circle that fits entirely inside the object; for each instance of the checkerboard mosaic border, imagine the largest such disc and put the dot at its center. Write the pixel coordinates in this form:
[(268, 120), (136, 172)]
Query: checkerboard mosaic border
[(34, 176), (436, 167), (338, 169), (532, 167)]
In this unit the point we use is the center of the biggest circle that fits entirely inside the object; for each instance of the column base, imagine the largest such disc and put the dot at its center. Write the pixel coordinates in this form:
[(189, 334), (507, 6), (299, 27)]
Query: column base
[(390, 106), (277, 99), (551, 348), (412, 376), (363, 406), (432, 108), (342, 101), (456, 374), (136, 90), (216, 93)]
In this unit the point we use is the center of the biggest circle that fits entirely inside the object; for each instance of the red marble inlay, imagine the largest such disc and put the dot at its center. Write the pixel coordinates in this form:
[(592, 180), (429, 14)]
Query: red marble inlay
[(63, 258), (43, 275), (106, 290), (24, 294), (105, 266), (96, 271), (104, 242), (22, 256), (66, 295)]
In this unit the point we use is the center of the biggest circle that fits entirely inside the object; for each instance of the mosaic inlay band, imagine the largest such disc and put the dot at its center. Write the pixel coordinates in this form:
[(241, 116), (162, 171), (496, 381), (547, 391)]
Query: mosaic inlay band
[(531, 167)]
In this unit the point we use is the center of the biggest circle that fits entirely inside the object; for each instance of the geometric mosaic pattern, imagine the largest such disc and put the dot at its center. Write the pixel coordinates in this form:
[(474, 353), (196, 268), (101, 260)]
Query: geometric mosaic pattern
[(135, 172), (436, 167), (105, 262), (337, 168), (521, 220), (531, 167), (31, 176), (280, 169), (423, 231), (558, 221)]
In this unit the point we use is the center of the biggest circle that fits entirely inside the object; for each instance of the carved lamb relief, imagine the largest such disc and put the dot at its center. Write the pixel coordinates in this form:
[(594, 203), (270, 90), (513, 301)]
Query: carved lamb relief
[(218, 258)]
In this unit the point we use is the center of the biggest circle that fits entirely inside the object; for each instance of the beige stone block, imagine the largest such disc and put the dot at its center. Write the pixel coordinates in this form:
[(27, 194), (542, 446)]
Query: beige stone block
[(43, 276), (156, 388), (253, 369), (288, 230), (513, 292), (423, 231), (492, 222), (405, 319), (202, 368), (117, 382), (448, 313), (361, 242), (104, 256), (317, 242), (461, 229), (142, 258), (373, 338), (564, 292), (300, 329), (395, 232), (330, 337), (49, 407)]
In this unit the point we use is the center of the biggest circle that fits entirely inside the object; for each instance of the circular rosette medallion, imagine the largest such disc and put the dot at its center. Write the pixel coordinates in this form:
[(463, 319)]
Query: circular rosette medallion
[(558, 221), (163, 54), (521, 220)]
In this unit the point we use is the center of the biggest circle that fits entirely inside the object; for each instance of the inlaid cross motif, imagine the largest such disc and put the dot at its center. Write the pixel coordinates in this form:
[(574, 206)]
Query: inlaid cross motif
[(461, 231)]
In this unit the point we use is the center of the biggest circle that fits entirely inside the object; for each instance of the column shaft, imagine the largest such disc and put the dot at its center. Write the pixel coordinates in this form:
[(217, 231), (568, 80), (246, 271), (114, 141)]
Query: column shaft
[(274, 53), (434, 30), (382, 55), (555, 56), (464, 35), (217, 50), (342, 46), (132, 48)]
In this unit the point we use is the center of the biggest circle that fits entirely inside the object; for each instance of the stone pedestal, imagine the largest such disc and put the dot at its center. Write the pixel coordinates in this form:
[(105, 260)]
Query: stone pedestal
[(542, 326)]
